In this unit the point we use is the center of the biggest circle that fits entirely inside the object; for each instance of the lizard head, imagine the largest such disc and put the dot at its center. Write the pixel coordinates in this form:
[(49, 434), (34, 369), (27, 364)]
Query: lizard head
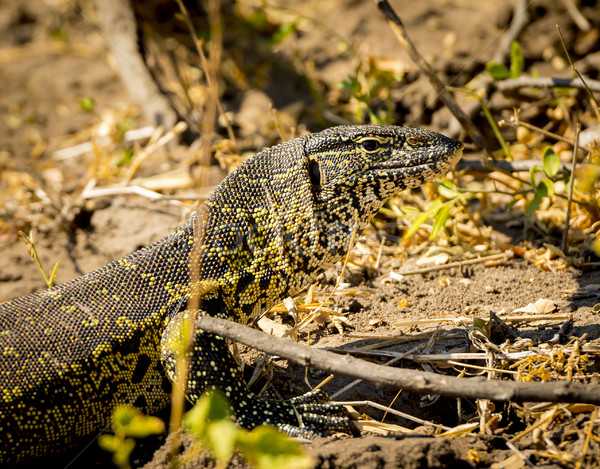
[(363, 165)]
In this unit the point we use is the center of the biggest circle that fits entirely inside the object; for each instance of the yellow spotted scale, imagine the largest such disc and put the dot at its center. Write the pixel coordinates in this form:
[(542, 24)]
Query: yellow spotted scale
[(72, 353)]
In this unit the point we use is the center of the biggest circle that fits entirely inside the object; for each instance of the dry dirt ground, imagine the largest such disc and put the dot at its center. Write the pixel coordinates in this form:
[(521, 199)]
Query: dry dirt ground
[(52, 56)]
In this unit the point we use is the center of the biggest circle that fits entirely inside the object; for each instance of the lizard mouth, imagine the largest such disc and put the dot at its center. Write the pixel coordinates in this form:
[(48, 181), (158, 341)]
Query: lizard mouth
[(426, 159), (422, 160)]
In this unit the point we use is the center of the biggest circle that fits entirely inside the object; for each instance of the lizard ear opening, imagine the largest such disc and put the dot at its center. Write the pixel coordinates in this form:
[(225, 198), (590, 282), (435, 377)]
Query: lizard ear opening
[(314, 172)]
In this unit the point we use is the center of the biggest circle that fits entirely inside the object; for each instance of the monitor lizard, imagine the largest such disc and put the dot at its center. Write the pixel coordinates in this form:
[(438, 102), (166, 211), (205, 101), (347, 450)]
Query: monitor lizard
[(71, 353)]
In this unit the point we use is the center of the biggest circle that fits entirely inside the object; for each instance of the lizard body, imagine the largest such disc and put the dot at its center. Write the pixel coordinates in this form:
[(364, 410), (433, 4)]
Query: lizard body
[(70, 354)]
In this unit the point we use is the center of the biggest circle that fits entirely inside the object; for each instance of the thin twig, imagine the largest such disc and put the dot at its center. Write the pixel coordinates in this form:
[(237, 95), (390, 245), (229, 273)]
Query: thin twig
[(518, 452), (504, 256), (388, 363), (469, 320), (515, 121), (152, 146), (436, 357), (90, 192), (592, 98), (563, 244), (404, 415), (401, 34), (588, 436), (86, 147), (511, 166), (482, 368), (207, 73), (395, 340)]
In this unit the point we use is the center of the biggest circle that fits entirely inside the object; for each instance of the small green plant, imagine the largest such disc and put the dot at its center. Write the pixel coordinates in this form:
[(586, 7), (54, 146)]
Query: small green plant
[(282, 32), (124, 157), (87, 104), (368, 85), (210, 422), (500, 71), (441, 211), (545, 188), (438, 210), (29, 241), (264, 447), (128, 423)]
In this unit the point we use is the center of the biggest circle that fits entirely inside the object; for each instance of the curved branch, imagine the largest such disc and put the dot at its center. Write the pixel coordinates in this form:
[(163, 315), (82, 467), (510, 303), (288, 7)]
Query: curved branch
[(409, 380)]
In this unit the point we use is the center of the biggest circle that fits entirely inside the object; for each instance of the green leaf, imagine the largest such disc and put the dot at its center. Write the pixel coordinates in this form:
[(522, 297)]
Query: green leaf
[(266, 448), (435, 206), (122, 416), (407, 209), (124, 157), (86, 104), (144, 425), (211, 407), (551, 162), (352, 85), (284, 31), (497, 70), (545, 188), (109, 442), (221, 437), (481, 326), (517, 61), (532, 171), (440, 221), (447, 189), (132, 422), (121, 455), (534, 204), (258, 19)]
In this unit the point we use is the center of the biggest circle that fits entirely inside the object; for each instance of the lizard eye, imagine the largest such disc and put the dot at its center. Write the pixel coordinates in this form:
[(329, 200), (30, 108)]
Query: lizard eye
[(370, 145)]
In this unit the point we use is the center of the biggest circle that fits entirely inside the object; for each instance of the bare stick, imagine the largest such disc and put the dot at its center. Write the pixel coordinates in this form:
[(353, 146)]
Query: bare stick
[(388, 363), (404, 415), (515, 121), (410, 380), (547, 82), (119, 34), (563, 244), (152, 146), (402, 36), (503, 256), (593, 100)]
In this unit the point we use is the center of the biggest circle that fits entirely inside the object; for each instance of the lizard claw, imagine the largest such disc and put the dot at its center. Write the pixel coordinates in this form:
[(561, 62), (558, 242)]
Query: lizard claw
[(307, 416)]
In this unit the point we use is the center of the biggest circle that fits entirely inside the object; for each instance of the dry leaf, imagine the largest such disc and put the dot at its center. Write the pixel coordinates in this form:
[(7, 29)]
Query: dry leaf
[(271, 327), (541, 306), (437, 259)]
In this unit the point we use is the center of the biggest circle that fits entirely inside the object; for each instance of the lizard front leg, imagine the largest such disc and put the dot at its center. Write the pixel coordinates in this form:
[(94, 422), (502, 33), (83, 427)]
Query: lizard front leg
[(211, 366)]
